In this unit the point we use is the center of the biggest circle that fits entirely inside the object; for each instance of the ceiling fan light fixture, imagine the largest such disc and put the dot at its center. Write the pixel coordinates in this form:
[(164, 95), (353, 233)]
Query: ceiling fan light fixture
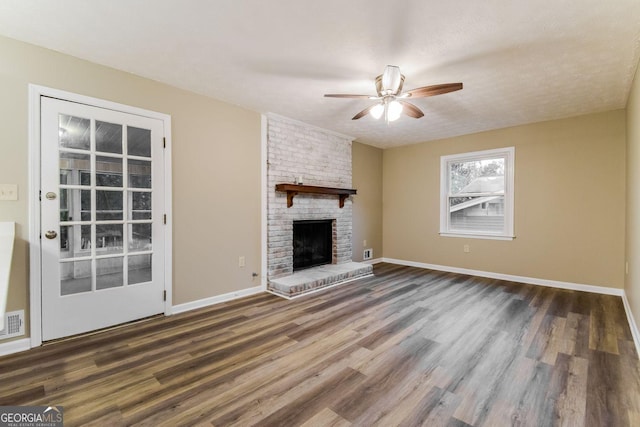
[(394, 111), (391, 79), (377, 111)]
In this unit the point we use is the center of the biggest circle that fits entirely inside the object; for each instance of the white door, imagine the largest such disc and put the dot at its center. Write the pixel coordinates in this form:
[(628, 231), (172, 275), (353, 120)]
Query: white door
[(102, 192)]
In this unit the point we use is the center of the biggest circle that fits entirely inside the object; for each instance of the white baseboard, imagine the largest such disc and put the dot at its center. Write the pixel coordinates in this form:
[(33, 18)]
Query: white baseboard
[(632, 323), (16, 346), (373, 261), (511, 278), (193, 305)]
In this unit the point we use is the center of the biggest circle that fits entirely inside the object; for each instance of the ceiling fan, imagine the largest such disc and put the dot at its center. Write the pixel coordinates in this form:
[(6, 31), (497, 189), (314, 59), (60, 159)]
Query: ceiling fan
[(392, 100)]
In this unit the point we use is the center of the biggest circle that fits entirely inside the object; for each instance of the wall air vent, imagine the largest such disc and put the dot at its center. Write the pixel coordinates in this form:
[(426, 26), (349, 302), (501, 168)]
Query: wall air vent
[(13, 325)]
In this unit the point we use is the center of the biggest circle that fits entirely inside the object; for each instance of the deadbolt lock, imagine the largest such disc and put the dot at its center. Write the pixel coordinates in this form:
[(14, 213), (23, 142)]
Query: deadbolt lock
[(51, 195)]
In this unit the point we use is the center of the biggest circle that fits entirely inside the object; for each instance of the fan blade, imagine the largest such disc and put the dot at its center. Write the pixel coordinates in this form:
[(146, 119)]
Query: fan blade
[(434, 90), (363, 112), (411, 110), (341, 95)]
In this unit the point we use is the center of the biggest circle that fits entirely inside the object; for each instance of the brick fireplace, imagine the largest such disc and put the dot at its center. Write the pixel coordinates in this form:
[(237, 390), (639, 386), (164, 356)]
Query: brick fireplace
[(296, 151)]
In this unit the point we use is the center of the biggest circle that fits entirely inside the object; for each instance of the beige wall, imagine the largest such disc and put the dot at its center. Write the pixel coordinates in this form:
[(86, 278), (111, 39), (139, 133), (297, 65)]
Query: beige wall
[(569, 202), (216, 168), (632, 279), (367, 204)]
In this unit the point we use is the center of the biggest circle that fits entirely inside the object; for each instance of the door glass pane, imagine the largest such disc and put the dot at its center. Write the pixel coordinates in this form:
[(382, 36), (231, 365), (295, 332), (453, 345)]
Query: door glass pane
[(109, 239), (85, 178), (64, 205), (74, 132), (139, 173), (75, 241), (108, 205), (75, 277), (140, 237), (64, 176), (75, 205), (72, 165), (85, 205), (138, 142), (109, 273), (108, 137), (108, 171), (139, 269), (140, 205)]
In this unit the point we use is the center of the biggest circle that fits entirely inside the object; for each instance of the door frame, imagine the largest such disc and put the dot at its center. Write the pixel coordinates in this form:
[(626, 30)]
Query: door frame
[(35, 259)]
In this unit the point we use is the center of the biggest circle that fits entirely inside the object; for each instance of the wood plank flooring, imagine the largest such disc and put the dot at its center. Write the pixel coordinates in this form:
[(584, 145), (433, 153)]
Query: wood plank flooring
[(407, 347)]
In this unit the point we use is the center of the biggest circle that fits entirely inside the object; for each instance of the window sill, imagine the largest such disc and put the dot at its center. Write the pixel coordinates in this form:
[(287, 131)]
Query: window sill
[(477, 236)]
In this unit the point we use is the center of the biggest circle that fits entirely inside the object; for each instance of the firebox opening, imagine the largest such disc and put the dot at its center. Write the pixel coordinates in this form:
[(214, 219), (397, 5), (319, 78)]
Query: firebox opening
[(312, 243)]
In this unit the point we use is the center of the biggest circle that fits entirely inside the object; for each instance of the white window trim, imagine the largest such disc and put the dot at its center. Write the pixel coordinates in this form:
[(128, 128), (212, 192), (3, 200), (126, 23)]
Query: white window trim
[(509, 154)]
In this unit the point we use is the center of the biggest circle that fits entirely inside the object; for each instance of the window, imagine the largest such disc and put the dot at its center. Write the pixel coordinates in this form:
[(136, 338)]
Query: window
[(477, 194)]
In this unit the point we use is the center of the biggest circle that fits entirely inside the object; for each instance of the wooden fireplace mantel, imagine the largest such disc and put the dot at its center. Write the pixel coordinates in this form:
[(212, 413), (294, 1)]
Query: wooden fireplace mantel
[(294, 189)]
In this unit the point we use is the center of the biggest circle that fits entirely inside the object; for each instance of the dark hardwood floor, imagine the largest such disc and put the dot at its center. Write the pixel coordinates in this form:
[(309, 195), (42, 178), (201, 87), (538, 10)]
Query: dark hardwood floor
[(404, 348)]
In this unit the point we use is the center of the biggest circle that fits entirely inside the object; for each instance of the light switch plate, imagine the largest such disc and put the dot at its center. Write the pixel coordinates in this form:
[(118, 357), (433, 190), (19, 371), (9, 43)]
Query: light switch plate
[(8, 191)]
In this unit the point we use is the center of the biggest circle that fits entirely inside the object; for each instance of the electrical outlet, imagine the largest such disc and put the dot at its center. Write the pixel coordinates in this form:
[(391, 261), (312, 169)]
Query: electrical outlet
[(241, 261), (8, 192), (368, 254), (466, 249)]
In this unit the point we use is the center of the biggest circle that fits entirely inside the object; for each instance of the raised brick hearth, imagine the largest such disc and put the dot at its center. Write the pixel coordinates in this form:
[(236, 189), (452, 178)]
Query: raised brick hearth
[(320, 158), (312, 279)]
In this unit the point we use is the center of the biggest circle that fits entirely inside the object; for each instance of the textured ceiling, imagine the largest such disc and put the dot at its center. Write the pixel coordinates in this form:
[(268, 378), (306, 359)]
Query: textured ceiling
[(520, 61)]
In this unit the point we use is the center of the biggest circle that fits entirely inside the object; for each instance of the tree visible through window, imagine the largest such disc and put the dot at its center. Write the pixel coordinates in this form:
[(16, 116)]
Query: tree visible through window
[(477, 194)]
